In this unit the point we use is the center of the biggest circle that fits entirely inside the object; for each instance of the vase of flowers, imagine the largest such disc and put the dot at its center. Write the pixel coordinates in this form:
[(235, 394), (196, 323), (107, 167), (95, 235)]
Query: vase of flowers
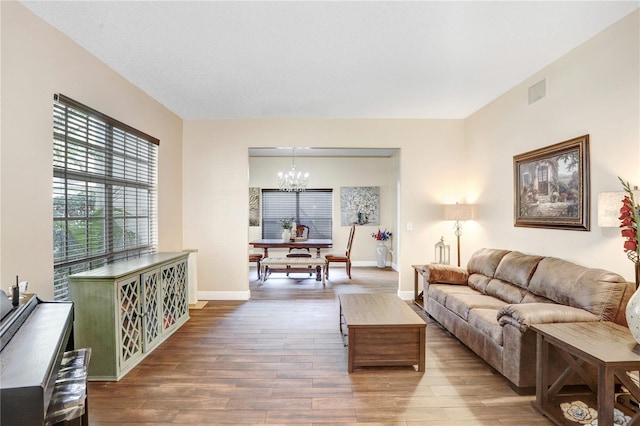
[(629, 226), (286, 229), (381, 249)]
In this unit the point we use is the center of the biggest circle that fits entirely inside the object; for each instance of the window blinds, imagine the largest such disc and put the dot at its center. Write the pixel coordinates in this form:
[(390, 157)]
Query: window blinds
[(104, 191), (312, 207)]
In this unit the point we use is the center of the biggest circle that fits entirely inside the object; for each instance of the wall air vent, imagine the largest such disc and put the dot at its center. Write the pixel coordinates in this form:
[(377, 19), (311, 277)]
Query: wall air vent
[(537, 91)]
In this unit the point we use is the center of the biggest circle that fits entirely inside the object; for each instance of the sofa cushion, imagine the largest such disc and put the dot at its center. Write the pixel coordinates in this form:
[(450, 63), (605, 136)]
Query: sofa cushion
[(534, 298), (461, 304), (479, 282), (439, 292), (485, 321), (505, 291), (595, 290), (517, 268), (523, 315), (485, 261)]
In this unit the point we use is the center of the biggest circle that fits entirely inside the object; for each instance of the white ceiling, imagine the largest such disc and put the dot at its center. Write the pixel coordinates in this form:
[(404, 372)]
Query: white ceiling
[(333, 59)]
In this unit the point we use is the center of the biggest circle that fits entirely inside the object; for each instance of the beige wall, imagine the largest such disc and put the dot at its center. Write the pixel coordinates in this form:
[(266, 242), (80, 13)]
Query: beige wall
[(593, 90), (37, 62), (216, 178)]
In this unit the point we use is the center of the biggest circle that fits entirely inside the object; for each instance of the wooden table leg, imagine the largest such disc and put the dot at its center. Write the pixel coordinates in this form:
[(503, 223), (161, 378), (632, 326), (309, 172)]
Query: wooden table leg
[(423, 349), (606, 397), (263, 271), (351, 348), (542, 359)]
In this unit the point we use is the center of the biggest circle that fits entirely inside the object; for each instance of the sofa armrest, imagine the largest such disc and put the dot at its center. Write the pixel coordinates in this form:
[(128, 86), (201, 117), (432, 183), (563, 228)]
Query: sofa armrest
[(522, 315), (445, 274)]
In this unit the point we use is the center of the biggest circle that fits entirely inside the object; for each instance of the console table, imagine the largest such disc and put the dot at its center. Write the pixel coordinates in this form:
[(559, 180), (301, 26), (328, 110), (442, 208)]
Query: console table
[(607, 346), (124, 310)]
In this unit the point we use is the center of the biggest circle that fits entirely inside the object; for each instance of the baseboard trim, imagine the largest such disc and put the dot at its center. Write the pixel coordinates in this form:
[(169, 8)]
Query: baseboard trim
[(198, 305), (371, 263), (405, 295), (224, 295)]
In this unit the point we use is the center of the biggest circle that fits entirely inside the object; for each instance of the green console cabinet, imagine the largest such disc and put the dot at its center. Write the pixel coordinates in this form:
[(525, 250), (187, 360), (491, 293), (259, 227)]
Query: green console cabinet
[(125, 309)]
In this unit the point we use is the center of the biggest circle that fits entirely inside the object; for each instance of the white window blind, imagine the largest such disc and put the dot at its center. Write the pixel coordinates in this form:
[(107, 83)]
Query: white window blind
[(312, 207), (104, 191)]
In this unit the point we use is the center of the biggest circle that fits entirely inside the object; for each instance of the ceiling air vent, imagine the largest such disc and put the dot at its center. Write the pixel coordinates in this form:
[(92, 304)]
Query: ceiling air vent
[(537, 91)]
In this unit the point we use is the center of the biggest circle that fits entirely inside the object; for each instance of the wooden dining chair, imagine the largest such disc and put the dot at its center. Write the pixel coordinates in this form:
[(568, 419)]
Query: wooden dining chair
[(302, 231), (346, 259)]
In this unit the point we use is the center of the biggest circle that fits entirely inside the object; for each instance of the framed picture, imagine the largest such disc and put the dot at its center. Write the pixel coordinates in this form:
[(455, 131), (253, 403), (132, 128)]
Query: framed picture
[(360, 205), (551, 186), (254, 206)]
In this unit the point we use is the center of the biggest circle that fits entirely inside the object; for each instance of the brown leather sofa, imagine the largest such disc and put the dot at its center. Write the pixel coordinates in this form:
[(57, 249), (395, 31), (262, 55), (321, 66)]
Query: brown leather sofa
[(490, 305)]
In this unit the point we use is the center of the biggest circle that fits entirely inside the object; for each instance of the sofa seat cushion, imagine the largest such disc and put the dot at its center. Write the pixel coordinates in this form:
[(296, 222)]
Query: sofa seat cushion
[(524, 315), (461, 304), (439, 292), (485, 321)]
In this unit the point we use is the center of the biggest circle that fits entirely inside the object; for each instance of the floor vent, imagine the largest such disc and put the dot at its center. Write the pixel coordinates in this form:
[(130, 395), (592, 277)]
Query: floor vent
[(537, 91)]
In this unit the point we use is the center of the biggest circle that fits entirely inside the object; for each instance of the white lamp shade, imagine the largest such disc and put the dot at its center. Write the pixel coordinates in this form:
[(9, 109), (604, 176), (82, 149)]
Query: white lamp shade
[(459, 211), (609, 204)]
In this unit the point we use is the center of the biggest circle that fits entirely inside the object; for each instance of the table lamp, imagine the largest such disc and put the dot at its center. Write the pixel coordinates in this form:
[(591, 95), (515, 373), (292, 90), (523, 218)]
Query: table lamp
[(609, 204), (458, 213)]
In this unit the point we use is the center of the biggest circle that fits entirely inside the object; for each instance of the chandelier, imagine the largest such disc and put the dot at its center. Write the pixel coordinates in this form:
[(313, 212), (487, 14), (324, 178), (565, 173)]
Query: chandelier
[(293, 180)]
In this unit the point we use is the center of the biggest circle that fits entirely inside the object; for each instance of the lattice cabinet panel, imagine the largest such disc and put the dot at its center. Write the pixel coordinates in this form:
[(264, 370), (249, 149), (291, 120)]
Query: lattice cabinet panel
[(168, 296), (126, 309), (175, 303), (151, 302), (130, 320), (182, 298)]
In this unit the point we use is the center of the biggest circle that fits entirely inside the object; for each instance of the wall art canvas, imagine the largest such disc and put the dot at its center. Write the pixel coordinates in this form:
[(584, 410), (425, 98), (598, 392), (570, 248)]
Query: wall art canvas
[(552, 186), (360, 205), (254, 206)]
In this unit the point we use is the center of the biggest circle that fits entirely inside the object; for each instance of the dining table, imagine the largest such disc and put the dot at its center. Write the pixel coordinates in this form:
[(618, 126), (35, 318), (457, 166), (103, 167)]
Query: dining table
[(270, 243)]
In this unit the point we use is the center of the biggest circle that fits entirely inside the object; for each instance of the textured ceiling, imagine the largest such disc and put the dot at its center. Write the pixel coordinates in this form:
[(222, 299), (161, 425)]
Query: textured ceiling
[(335, 59)]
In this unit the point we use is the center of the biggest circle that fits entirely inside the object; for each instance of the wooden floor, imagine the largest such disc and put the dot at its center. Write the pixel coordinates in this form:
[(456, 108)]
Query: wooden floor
[(279, 359)]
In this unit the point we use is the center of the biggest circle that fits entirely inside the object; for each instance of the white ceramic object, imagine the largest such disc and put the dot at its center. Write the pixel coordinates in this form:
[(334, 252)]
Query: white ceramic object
[(381, 251), (633, 315)]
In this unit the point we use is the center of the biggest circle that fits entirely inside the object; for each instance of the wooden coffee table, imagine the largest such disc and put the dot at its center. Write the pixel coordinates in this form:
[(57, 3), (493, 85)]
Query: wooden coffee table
[(609, 347), (382, 330)]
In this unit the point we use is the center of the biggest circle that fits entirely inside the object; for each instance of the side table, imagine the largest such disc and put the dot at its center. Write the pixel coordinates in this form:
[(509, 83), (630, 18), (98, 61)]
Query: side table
[(418, 296), (609, 347)]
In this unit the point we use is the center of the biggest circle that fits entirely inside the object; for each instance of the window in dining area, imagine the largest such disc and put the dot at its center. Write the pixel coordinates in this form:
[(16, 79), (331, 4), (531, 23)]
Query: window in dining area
[(312, 207)]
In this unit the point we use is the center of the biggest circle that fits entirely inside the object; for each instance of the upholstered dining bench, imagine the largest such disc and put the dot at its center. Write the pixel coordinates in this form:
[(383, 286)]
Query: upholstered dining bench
[(294, 264)]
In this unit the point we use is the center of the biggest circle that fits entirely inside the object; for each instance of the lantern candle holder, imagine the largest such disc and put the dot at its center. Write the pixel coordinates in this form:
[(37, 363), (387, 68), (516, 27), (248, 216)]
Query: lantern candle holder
[(442, 252)]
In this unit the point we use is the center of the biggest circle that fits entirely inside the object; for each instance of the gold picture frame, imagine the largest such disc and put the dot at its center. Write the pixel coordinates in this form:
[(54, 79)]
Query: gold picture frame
[(551, 186)]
